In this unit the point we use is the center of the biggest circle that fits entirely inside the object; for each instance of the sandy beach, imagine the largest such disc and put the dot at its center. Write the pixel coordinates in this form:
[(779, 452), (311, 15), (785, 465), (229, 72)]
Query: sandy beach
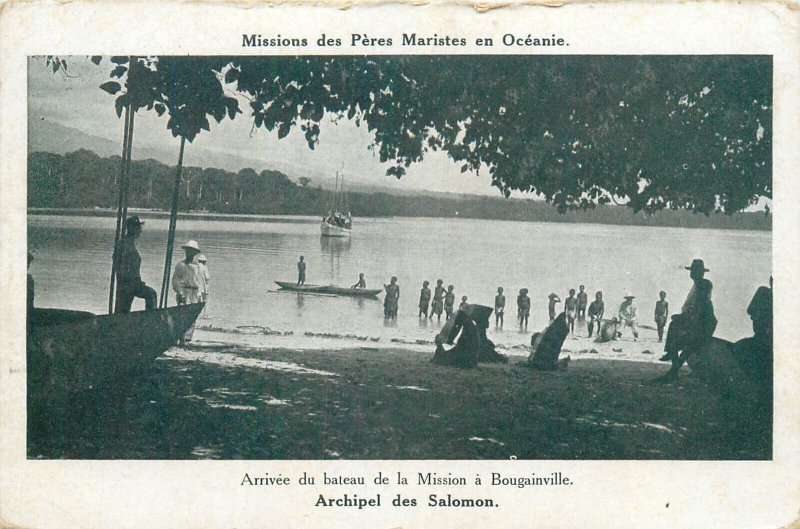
[(225, 401)]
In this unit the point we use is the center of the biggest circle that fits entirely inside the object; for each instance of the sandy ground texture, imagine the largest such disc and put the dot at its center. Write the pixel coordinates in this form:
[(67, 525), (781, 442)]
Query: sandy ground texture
[(231, 402)]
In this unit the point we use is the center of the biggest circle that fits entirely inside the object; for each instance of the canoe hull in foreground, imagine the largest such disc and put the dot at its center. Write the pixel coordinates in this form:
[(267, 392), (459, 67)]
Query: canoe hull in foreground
[(329, 289), (75, 350)]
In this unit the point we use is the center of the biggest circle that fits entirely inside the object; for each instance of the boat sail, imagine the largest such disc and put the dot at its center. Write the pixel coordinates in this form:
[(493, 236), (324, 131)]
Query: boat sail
[(338, 221)]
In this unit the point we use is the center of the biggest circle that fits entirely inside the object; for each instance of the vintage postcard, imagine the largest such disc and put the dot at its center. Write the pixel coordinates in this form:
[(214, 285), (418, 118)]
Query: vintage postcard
[(399, 266)]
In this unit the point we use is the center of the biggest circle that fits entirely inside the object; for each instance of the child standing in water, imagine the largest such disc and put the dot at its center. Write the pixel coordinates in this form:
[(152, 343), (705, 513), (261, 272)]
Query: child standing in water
[(499, 307), (449, 302), (438, 301), (662, 312), (424, 299), (583, 298), (523, 308), (571, 308), (463, 303)]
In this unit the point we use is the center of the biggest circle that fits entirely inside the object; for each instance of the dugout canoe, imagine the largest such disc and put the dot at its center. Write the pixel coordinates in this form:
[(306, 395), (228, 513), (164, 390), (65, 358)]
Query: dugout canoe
[(76, 350), (330, 289)]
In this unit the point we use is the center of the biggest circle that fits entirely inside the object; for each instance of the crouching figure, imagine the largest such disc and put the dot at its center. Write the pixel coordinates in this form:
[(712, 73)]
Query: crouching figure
[(467, 329), (546, 346)]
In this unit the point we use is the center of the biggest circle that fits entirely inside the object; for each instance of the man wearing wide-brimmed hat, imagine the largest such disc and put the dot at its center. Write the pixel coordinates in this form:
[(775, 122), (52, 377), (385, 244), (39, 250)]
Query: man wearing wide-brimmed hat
[(628, 316), (185, 280), (127, 263), (695, 323)]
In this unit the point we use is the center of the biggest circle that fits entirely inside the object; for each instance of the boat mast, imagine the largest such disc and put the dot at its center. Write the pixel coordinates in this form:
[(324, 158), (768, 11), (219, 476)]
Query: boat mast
[(173, 221), (122, 201)]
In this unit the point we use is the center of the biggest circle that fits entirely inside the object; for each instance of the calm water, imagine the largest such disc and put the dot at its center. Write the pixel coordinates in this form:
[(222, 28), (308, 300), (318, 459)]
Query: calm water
[(73, 255)]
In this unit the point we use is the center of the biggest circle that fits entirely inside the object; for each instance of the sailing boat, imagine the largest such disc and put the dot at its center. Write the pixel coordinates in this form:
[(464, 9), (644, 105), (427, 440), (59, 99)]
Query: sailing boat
[(337, 222)]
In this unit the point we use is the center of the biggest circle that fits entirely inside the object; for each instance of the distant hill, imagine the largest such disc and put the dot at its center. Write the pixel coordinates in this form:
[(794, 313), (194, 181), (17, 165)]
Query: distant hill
[(49, 136), (82, 179)]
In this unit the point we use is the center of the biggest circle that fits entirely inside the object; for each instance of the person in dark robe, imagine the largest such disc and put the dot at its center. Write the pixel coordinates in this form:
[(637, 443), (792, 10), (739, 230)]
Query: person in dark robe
[(546, 346), (467, 329), (681, 323), (754, 354)]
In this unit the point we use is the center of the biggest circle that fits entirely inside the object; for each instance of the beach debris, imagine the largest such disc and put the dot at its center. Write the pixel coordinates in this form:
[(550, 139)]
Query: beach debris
[(617, 349), (415, 388), (240, 407), (205, 452), (658, 427), (232, 360), (332, 453), (272, 401), (487, 440), (594, 351), (647, 352)]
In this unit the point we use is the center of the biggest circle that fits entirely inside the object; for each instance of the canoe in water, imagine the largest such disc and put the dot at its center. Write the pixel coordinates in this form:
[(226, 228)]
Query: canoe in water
[(330, 289), (72, 350)]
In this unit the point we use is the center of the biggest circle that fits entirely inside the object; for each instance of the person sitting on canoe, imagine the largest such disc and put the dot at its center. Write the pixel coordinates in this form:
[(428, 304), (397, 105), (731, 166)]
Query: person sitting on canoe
[(391, 299), (127, 263), (361, 283), (185, 281), (438, 300), (424, 299)]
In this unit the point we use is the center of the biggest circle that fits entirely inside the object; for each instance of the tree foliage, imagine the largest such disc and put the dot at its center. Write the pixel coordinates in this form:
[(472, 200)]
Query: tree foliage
[(653, 132)]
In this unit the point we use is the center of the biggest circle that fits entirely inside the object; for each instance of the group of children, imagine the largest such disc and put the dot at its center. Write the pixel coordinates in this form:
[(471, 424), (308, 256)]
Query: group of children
[(576, 308), (443, 301)]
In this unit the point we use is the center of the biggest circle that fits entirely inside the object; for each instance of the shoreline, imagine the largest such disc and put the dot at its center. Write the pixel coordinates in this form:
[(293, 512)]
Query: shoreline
[(222, 401), (306, 219)]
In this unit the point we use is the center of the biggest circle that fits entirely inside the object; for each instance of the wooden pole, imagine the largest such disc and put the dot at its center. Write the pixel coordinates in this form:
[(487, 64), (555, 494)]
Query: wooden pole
[(118, 231), (173, 220)]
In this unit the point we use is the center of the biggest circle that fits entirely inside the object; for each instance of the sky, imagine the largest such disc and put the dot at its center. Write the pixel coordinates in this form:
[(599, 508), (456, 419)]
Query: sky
[(74, 100)]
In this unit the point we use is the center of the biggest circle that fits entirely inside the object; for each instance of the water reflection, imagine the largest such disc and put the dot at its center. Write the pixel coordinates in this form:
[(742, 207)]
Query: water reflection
[(334, 245)]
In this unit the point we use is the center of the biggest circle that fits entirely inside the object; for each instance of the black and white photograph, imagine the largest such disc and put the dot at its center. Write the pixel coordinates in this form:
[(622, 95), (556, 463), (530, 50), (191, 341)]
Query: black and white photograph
[(313, 257), (387, 265)]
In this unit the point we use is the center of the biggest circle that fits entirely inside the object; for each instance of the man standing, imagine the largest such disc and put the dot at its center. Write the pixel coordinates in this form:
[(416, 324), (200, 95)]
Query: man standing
[(301, 271), (185, 281), (128, 262)]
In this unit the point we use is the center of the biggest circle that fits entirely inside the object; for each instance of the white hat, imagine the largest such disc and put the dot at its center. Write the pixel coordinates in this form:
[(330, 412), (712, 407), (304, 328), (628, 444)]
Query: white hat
[(200, 258), (192, 244)]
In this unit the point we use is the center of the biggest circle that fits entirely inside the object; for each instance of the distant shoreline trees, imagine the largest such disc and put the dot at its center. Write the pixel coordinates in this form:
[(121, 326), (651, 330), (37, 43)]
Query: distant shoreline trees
[(82, 179)]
